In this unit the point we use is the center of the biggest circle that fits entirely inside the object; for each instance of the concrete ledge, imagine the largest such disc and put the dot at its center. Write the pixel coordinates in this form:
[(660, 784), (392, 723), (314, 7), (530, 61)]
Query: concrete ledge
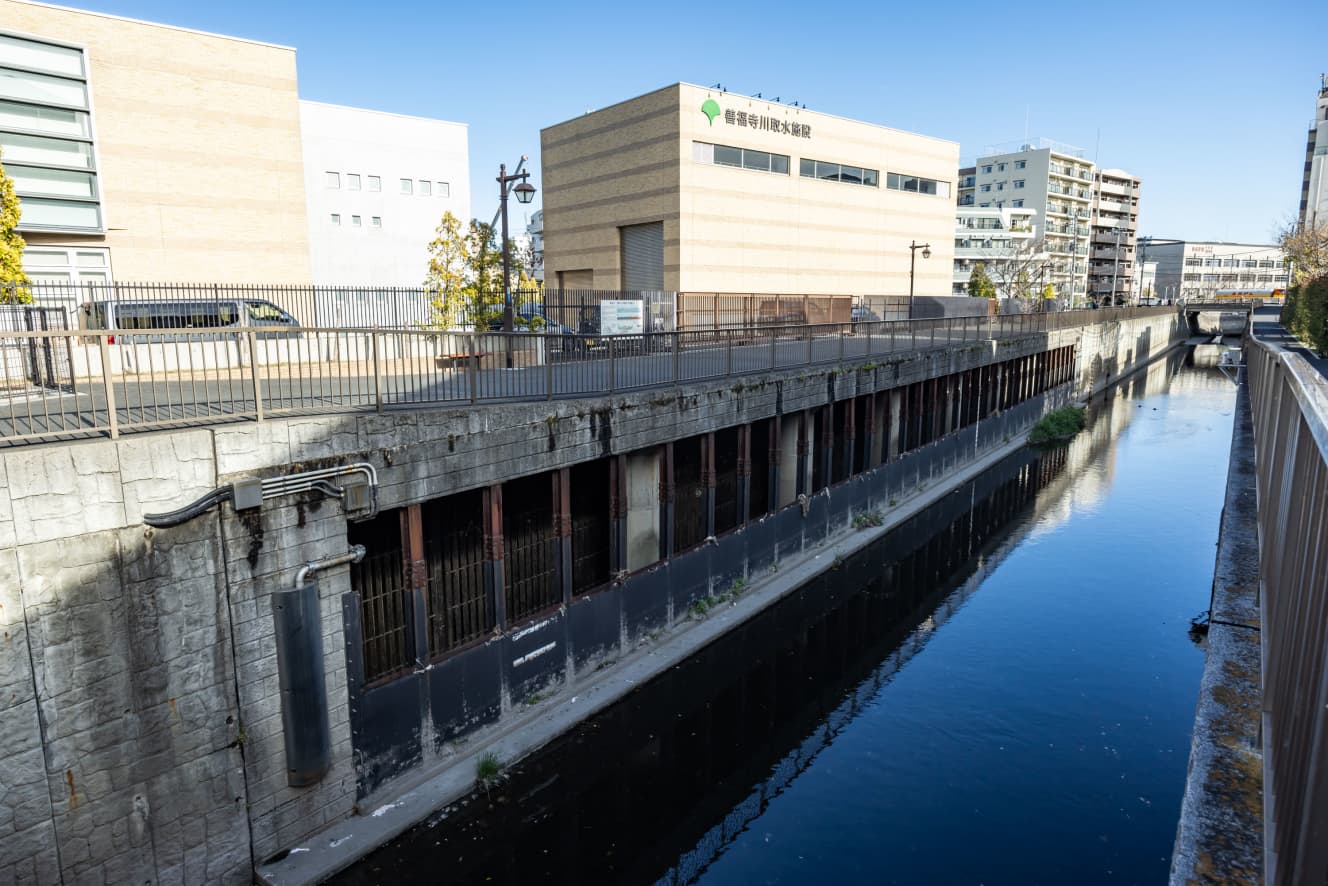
[(1220, 836), (385, 818)]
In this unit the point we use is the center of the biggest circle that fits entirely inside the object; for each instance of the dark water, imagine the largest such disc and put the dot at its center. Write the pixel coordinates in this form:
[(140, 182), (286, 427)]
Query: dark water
[(1001, 691)]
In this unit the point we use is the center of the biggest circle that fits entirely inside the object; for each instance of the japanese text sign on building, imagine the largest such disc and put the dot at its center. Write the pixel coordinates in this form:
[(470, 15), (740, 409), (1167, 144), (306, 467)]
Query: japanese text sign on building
[(755, 121)]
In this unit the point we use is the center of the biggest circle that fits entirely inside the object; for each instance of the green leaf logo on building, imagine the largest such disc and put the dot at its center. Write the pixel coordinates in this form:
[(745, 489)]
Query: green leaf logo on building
[(711, 109)]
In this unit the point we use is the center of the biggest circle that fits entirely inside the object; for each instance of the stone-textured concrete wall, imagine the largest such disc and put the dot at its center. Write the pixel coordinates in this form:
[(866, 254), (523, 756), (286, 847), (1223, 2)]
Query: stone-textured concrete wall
[(138, 681)]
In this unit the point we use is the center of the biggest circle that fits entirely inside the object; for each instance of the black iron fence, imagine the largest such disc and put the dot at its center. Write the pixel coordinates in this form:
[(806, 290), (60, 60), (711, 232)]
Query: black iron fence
[(156, 379)]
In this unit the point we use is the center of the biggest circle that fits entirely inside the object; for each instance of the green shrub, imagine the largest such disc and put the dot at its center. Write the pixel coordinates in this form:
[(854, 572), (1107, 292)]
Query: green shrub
[(1305, 313), (1064, 422)]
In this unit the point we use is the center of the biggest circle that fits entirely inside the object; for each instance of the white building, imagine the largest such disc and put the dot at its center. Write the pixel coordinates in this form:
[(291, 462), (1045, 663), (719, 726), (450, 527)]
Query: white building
[(536, 231), (1055, 180), (994, 236), (1115, 226), (377, 185), (1314, 189), (1199, 270)]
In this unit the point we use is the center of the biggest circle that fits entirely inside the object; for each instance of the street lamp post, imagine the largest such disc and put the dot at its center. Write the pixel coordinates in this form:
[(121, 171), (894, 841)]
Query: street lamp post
[(524, 193), (913, 248)]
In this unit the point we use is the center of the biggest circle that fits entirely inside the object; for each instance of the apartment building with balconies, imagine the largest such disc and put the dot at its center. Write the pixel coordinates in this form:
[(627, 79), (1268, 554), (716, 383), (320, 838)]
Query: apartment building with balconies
[(1057, 181), (1115, 224), (1004, 240)]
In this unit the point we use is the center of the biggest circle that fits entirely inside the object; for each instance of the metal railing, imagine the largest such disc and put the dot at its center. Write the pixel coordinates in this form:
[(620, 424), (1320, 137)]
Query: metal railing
[(122, 380), (1289, 401)]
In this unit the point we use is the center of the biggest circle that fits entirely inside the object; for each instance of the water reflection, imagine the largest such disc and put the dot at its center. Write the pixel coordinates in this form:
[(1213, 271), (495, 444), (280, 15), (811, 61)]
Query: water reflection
[(788, 752)]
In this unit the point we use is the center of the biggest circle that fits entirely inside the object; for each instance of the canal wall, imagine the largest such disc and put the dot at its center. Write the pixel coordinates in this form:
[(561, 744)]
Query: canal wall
[(139, 678)]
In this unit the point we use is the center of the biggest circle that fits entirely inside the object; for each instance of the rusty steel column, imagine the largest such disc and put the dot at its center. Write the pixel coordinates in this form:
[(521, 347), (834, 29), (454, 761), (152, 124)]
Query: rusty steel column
[(744, 503), (415, 581), (869, 435), (495, 582), (776, 430), (617, 514), (850, 430), (804, 452), (562, 530), (666, 501), (708, 480)]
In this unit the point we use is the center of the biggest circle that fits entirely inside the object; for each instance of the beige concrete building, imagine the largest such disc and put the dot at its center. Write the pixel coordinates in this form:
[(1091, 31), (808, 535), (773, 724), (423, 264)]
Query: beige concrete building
[(142, 151), (696, 190)]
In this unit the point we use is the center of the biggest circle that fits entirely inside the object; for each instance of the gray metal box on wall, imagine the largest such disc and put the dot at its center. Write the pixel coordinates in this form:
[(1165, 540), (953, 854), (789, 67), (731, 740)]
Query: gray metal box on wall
[(299, 636)]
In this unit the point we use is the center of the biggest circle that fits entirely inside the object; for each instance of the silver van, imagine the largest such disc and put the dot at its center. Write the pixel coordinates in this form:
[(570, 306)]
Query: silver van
[(225, 315)]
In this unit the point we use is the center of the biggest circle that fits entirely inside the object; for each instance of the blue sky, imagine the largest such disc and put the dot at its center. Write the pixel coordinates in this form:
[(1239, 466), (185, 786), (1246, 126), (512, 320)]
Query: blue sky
[(1209, 103)]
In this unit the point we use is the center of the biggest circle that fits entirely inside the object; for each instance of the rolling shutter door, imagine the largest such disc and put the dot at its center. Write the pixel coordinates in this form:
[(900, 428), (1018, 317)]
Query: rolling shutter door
[(643, 257)]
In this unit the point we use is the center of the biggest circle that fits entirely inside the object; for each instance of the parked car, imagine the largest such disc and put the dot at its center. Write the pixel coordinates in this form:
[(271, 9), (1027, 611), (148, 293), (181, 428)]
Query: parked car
[(189, 316), (531, 318)]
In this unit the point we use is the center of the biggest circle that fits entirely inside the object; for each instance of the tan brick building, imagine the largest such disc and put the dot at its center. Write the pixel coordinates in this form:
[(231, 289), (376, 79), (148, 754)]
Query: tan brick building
[(148, 152), (696, 190)]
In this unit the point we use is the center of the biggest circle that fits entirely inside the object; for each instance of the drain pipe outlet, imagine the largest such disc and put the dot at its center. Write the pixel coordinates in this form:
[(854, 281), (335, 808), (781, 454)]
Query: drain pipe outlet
[(301, 673)]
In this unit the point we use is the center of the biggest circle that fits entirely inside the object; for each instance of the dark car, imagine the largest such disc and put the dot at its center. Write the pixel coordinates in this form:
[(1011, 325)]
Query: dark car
[(528, 316)]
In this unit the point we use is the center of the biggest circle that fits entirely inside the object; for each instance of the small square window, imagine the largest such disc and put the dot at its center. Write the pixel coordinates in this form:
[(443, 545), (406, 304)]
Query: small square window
[(375, 183), (1020, 164), (1018, 183), (352, 182), (1000, 167), (1018, 204), (336, 218), (407, 186), (444, 189), (986, 170), (426, 189), (354, 221), (986, 189), (376, 221), (1000, 186), (334, 180)]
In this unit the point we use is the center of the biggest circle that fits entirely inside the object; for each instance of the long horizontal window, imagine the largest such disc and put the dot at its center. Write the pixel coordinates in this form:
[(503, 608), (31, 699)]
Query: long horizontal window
[(46, 121), (25, 86), (742, 158), (35, 56), (60, 214), (45, 151), (839, 172), (915, 185), (53, 182)]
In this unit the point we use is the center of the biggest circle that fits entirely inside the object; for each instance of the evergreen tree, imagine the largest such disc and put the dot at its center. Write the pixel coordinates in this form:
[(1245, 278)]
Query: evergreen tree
[(980, 284), (13, 280)]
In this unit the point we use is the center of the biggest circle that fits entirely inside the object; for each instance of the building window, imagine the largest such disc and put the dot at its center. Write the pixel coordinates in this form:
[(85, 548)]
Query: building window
[(336, 218), (743, 158), (426, 189), (333, 180), (407, 186), (913, 184), (1020, 164), (376, 222), (1018, 184), (375, 183), (443, 189), (46, 136), (352, 182), (354, 221), (1018, 204), (1000, 186), (838, 172), (1000, 167), (986, 170), (986, 189), (60, 265)]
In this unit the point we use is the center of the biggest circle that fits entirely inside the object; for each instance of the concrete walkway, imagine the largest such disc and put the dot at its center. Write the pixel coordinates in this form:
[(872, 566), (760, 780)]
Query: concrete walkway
[(1220, 836)]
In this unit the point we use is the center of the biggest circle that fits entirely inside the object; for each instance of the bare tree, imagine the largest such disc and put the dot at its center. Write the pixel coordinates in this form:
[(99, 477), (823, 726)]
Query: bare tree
[(1307, 247), (1016, 269)]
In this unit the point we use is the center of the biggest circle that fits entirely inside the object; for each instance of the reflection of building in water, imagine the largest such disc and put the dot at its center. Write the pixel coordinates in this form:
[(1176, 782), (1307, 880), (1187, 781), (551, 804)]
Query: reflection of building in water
[(1091, 458)]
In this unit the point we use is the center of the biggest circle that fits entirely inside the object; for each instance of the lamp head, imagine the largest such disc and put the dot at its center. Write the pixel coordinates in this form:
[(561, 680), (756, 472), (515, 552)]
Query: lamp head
[(926, 252), (525, 192)]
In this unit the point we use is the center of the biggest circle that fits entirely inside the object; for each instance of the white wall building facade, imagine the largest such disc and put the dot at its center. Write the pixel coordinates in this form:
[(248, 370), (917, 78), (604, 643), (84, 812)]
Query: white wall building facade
[(1115, 228), (992, 236), (377, 185), (1057, 181), (1314, 189), (1200, 270)]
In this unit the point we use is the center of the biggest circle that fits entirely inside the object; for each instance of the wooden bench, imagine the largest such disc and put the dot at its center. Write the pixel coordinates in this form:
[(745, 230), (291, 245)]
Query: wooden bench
[(450, 361)]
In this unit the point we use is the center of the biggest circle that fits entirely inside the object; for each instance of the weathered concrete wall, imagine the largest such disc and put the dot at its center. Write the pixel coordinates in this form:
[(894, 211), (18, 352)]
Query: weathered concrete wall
[(138, 682)]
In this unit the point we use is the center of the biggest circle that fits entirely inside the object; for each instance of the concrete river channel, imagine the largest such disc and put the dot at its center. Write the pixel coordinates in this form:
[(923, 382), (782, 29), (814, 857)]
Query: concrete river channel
[(1001, 690)]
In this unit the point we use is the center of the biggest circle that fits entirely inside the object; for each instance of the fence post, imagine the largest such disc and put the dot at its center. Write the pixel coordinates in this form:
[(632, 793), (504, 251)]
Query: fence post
[(772, 347), (613, 362), (253, 374), (378, 369), (548, 366), (728, 352), (676, 349), (473, 367), (108, 389), (841, 344)]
